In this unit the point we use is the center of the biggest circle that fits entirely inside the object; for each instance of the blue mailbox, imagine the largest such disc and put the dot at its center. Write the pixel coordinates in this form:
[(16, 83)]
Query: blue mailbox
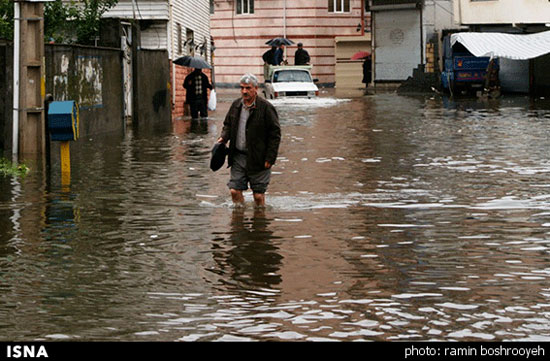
[(63, 120)]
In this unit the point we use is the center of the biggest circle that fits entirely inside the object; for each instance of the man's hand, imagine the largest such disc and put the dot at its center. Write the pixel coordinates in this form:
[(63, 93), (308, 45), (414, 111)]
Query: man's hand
[(267, 165)]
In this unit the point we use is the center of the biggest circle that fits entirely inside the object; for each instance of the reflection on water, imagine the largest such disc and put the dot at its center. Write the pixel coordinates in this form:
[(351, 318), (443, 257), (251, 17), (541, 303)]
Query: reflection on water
[(247, 259), (388, 218)]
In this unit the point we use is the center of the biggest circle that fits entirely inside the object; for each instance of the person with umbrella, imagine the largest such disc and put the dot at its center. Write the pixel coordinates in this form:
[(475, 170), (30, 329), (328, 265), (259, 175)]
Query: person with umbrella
[(269, 59), (367, 70), (280, 44), (196, 85), (279, 55)]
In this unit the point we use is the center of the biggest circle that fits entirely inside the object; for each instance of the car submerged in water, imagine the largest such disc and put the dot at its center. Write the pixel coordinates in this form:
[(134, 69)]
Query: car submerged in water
[(290, 81)]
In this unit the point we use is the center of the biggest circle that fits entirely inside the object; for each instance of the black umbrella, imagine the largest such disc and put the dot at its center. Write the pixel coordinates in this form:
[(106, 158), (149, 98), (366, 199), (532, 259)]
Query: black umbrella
[(279, 41), (192, 62)]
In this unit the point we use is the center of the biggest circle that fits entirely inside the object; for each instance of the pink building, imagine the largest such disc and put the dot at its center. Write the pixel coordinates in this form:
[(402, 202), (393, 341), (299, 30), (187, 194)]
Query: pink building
[(331, 31)]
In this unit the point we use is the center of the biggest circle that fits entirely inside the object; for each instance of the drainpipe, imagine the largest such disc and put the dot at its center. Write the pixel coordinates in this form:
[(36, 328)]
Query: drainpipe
[(284, 27), (421, 10), (172, 51), (362, 17), (284, 19), (16, 66)]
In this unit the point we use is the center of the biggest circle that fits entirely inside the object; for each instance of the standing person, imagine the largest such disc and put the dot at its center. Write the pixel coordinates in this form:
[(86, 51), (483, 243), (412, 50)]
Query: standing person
[(279, 55), (301, 56), (196, 85), (367, 71), (269, 59), (252, 128)]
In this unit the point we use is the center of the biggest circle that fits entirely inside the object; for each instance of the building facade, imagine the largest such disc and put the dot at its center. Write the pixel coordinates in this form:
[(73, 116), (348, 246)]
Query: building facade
[(515, 17), (240, 29), (402, 32), (179, 27), (527, 14)]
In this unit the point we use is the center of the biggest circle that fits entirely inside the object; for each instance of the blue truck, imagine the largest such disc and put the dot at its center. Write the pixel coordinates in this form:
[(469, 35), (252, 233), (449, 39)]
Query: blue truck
[(463, 71)]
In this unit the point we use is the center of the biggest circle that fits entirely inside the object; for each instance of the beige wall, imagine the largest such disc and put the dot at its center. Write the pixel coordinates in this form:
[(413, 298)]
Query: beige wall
[(349, 73), (502, 11), (240, 39)]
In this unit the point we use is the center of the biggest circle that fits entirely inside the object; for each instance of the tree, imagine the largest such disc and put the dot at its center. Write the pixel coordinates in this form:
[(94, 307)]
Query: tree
[(58, 19), (64, 21), (6, 19), (74, 21)]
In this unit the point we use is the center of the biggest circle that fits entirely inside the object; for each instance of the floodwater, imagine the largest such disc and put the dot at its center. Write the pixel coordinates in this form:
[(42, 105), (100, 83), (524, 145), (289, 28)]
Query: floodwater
[(389, 218)]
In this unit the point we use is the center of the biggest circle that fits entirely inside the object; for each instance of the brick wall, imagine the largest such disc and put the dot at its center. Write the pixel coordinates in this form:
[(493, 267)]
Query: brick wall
[(178, 108)]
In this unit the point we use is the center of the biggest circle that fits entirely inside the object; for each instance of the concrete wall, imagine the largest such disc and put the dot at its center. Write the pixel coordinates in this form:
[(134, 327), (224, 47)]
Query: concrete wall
[(541, 75), (437, 15), (469, 12), (93, 78), (152, 90), (6, 98)]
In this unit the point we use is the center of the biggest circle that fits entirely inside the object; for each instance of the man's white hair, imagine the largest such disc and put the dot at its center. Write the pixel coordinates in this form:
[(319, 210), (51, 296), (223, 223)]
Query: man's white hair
[(249, 79)]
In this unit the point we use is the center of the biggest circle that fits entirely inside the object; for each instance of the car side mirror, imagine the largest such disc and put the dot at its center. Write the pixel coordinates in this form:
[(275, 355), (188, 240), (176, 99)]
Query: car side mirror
[(315, 80)]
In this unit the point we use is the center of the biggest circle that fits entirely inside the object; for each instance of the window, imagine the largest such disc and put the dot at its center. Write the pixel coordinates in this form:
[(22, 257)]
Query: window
[(211, 6), (338, 6), (290, 76), (245, 6), (190, 42), (180, 40)]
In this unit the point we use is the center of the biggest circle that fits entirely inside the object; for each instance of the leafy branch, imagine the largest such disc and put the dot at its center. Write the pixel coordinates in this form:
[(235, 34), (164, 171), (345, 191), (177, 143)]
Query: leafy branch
[(75, 21), (6, 19), (9, 169), (64, 21)]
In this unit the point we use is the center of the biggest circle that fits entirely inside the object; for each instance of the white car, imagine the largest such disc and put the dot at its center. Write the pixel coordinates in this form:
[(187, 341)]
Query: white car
[(290, 81)]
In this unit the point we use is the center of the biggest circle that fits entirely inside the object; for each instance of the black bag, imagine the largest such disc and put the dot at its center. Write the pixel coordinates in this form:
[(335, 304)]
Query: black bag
[(219, 152)]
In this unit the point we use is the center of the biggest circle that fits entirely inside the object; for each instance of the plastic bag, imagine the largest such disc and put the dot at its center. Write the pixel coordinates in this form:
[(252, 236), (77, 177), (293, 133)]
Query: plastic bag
[(212, 100)]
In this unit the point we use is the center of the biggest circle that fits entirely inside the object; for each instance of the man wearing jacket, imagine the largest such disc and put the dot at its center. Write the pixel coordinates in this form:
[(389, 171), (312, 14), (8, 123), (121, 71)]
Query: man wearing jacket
[(279, 56), (301, 56), (252, 128), (196, 85)]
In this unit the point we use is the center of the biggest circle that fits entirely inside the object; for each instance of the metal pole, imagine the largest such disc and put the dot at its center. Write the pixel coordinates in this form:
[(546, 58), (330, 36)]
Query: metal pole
[(284, 20), (362, 17), (284, 28), (172, 54), (16, 66)]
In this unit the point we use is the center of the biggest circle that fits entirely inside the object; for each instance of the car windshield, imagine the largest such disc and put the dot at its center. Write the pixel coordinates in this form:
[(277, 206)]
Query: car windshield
[(291, 76)]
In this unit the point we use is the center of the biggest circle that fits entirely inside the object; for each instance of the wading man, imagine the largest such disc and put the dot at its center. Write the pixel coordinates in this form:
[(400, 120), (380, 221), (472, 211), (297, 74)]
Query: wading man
[(252, 128)]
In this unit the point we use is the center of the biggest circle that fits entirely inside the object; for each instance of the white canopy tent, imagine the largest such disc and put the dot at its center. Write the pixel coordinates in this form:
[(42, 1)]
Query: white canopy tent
[(502, 45)]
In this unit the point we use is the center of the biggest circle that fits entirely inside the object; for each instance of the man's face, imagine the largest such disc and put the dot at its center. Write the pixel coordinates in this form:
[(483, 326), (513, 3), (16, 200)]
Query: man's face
[(248, 92)]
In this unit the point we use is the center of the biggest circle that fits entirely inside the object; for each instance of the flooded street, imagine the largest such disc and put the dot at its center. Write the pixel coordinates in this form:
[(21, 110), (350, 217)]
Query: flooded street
[(389, 218)]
